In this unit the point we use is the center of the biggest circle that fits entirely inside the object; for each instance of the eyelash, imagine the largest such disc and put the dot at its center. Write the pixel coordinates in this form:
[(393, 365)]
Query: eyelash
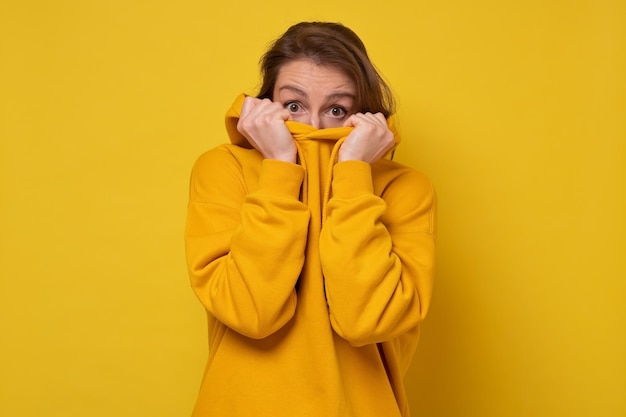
[(344, 112), (290, 103)]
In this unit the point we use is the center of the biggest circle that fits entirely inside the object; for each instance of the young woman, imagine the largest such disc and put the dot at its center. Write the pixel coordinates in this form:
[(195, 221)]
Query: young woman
[(310, 249)]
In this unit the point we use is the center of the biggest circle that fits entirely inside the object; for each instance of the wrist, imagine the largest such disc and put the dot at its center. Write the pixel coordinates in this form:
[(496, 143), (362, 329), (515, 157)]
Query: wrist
[(288, 157)]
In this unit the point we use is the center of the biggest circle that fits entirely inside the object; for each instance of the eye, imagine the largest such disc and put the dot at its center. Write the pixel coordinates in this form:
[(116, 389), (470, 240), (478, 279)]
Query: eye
[(338, 112), (293, 107)]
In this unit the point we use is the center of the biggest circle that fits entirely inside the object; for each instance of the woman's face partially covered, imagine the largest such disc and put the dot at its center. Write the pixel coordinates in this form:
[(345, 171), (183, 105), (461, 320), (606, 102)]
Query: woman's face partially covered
[(319, 96)]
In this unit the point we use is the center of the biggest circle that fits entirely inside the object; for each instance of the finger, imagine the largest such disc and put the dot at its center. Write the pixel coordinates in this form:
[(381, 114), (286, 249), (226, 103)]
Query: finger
[(367, 121), (282, 111), (367, 117), (271, 109), (376, 118), (381, 118), (250, 104), (353, 120)]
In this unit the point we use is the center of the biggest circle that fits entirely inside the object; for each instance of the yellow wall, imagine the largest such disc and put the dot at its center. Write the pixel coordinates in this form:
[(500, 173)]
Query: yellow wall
[(516, 109)]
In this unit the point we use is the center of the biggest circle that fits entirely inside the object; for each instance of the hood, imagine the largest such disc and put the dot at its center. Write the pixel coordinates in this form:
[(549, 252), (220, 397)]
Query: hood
[(298, 130)]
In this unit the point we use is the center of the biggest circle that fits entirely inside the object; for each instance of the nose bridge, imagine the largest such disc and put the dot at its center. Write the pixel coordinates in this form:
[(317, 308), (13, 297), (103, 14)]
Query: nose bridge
[(314, 119)]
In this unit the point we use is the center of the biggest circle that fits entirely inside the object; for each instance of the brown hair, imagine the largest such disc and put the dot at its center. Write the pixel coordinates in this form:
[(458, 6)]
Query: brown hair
[(334, 45)]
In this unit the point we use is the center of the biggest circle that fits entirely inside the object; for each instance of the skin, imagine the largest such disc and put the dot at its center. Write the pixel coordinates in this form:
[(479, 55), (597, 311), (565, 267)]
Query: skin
[(319, 96)]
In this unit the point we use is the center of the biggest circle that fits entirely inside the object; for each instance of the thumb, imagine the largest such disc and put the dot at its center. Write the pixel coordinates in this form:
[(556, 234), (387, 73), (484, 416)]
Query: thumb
[(350, 121)]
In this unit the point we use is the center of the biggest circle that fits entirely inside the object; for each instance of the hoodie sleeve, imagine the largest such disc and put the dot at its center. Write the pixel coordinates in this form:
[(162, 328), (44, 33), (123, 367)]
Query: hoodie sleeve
[(377, 253), (245, 250)]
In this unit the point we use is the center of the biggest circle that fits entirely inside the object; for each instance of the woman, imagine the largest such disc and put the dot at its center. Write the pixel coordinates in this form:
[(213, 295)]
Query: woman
[(310, 249)]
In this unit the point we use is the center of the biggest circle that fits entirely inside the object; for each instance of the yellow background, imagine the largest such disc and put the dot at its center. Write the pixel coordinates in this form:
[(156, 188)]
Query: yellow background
[(515, 109)]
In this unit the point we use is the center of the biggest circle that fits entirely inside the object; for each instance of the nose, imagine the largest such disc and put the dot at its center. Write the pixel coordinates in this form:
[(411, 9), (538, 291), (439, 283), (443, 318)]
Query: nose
[(314, 121)]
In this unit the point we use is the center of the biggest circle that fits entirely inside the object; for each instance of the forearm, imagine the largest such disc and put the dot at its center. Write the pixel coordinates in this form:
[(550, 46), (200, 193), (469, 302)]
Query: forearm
[(377, 260), (245, 251)]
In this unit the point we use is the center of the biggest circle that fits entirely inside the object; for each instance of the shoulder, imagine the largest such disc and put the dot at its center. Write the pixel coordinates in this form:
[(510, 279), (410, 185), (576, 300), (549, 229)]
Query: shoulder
[(222, 170), (221, 152), (224, 156)]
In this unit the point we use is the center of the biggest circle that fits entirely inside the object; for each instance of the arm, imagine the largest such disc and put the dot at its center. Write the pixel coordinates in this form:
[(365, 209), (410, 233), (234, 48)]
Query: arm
[(245, 250), (377, 253)]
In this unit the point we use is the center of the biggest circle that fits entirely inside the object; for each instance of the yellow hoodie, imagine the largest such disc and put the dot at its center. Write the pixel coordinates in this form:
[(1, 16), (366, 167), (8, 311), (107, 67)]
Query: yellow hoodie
[(315, 277)]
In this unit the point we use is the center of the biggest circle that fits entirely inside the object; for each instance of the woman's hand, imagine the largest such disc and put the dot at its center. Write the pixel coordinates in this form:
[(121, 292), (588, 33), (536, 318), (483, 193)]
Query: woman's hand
[(370, 140), (262, 122)]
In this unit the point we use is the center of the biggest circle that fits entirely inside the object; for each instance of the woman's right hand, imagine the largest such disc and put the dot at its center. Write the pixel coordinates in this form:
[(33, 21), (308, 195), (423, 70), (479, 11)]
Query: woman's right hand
[(262, 122)]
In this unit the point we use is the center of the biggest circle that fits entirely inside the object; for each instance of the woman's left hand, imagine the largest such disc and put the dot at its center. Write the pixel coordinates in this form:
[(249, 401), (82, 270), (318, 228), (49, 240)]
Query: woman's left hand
[(370, 140)]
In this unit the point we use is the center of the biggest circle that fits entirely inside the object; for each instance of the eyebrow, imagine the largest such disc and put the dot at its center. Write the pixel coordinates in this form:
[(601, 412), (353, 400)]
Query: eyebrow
[(294, 90), (333, 96)]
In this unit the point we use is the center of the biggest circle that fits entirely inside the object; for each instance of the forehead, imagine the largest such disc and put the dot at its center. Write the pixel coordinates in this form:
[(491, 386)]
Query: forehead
[(309, 76)]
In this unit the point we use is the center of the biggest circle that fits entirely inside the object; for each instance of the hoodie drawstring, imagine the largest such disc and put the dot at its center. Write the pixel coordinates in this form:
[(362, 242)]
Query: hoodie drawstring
[(305, 182), (329, 177)]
